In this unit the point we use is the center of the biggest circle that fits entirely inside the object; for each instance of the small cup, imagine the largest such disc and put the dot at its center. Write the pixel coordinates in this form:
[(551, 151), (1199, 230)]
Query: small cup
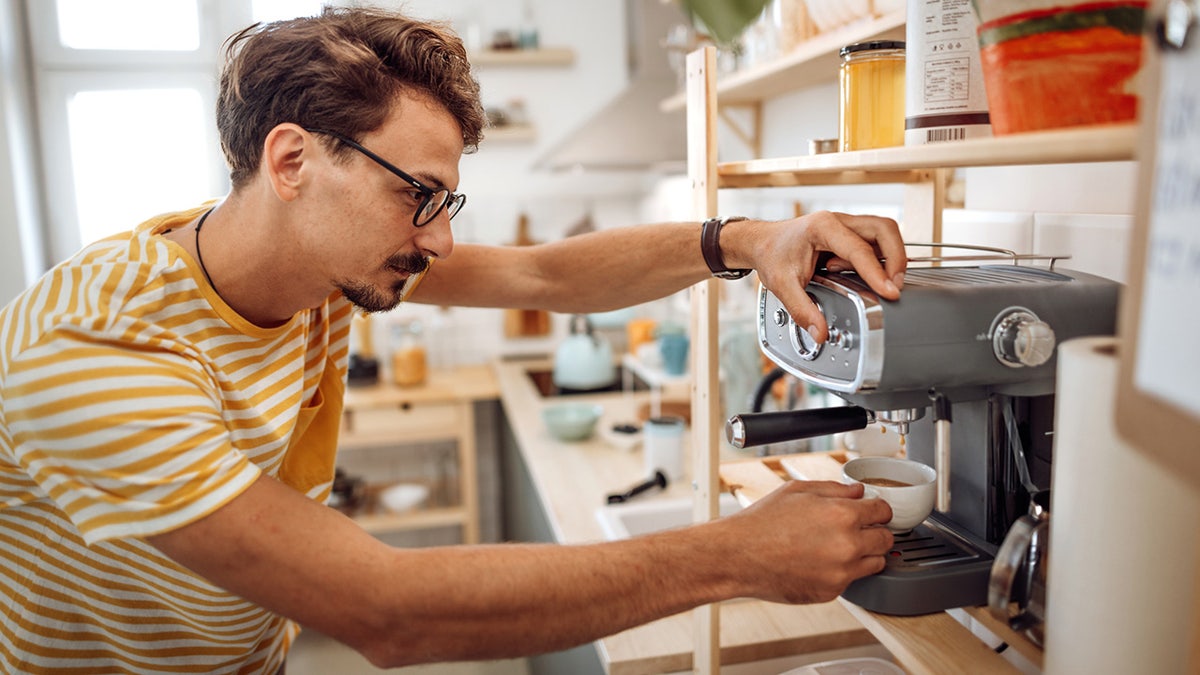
[(674, 349), (909, 487), (662, 446)]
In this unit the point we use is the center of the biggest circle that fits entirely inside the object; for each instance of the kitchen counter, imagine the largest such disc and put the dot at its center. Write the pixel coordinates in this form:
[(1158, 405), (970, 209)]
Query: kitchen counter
[(572, 479)]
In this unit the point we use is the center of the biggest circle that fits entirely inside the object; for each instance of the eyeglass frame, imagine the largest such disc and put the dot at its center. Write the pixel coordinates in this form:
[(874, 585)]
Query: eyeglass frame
[(454, 200)]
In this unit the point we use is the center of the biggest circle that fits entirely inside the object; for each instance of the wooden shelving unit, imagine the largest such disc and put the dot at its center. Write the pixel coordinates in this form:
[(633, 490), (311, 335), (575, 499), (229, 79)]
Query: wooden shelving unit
[(814, 61), (924, 644)]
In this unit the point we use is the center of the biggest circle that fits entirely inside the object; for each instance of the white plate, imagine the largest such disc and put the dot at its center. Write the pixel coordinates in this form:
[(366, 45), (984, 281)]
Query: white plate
[(403, 497)]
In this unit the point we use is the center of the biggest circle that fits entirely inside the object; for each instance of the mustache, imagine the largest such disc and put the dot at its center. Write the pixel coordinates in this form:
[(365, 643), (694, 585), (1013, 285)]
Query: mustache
[(410, 263)]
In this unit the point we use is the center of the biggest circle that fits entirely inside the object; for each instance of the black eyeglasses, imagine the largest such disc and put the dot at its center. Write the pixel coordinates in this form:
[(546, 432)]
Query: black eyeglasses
[(433, 200)]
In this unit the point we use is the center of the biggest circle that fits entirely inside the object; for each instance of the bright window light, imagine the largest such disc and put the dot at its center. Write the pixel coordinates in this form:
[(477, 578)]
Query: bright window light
[(136, 153), (276, 10), (157, 25)]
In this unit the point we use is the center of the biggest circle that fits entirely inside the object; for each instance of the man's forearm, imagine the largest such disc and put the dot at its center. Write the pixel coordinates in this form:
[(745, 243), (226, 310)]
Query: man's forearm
[(593, 272), (506, 601)]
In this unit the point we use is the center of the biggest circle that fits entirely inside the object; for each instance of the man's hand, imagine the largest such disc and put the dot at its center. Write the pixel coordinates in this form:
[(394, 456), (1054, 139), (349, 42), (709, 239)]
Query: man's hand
[(806, 541), (785, 255)]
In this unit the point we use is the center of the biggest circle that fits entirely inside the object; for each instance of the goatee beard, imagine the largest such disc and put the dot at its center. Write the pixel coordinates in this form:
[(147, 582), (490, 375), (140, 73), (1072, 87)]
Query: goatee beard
[(371, 299)]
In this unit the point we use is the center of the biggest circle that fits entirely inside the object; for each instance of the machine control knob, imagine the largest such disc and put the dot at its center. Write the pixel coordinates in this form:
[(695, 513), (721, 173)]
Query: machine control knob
[(781, 317), (1021, 339), (806, 346)]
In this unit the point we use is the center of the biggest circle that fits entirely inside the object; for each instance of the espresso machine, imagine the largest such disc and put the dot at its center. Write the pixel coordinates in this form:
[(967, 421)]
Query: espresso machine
[(963, 365)]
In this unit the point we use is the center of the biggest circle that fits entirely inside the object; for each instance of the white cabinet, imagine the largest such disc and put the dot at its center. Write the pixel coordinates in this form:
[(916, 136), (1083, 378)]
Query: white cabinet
[(387, 416)]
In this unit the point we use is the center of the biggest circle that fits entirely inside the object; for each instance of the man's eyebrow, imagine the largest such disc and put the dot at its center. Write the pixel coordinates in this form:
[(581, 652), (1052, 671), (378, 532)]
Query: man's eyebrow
[(429, 179)]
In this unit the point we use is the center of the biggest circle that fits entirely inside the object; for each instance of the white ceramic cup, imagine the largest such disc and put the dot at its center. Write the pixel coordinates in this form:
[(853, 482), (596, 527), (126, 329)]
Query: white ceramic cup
[(662, 446), (911, 502)]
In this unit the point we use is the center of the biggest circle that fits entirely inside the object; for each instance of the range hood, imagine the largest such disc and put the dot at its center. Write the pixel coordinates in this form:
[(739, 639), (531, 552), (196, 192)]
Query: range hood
[(631, 133)]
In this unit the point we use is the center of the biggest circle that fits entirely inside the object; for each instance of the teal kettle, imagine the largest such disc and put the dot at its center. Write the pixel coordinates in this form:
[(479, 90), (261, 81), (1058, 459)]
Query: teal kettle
[(584, 360)]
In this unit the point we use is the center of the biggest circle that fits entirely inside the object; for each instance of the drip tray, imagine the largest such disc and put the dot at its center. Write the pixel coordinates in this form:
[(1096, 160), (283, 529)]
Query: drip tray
[(930, 569)]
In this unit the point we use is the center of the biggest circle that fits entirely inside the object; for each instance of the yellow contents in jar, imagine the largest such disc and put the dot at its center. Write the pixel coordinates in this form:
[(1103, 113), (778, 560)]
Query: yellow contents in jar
[(871, 106), (409, 366)]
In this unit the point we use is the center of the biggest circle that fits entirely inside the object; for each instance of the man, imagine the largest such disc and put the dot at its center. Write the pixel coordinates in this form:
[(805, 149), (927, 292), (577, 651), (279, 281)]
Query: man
[(169, 398)]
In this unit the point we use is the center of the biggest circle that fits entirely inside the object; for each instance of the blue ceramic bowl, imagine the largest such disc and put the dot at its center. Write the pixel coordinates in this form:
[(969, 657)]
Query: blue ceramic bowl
[(571, 421)]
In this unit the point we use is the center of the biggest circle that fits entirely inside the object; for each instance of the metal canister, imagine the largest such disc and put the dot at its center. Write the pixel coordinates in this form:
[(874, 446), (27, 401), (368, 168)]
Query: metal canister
[(871, 104)]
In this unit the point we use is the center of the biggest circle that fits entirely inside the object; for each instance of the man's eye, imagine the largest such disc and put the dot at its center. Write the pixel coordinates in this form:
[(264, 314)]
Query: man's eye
[(414, 195)]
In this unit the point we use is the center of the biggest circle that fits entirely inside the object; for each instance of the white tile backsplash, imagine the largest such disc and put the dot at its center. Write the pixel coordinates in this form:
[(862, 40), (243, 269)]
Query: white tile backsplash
[(1098, 244), (1008, 230), (1108, 187)]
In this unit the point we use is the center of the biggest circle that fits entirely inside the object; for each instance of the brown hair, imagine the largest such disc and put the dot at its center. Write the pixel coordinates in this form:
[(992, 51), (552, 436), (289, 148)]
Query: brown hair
[(338, 71)]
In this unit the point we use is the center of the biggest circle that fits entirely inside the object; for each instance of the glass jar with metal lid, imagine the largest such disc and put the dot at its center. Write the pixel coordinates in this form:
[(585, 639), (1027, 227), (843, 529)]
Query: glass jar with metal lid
[(871, 102)]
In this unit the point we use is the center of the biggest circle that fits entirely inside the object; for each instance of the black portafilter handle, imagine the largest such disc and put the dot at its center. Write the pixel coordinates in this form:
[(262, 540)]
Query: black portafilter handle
[(750, 429)]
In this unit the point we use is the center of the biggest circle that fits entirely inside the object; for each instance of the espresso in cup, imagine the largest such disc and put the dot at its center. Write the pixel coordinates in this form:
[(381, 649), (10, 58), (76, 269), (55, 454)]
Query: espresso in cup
[(908, 487), (885, 482)]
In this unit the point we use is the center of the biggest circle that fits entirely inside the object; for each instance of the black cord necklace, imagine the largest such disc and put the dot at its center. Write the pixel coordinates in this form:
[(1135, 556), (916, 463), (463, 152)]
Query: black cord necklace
[(200, 256)]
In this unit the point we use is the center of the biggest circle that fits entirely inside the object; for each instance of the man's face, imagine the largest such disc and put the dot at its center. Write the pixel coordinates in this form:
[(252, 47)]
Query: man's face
[(373, 246)]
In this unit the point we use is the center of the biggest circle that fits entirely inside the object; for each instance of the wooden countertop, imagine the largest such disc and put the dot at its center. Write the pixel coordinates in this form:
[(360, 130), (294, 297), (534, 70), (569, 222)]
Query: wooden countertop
[(572, 480), (446, 385)]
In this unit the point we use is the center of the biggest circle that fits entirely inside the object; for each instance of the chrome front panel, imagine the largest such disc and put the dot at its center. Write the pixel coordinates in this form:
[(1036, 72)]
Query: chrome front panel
[(851, 361)]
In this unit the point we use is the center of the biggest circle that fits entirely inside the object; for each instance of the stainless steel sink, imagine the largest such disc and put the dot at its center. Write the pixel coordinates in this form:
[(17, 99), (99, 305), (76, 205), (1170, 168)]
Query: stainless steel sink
[(621, 521)]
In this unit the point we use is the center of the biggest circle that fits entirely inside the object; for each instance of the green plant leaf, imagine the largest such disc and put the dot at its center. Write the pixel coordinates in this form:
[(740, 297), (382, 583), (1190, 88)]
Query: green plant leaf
[(725, 19)]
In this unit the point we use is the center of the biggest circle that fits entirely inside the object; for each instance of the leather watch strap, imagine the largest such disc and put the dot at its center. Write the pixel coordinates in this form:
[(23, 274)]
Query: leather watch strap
[(710, 247)]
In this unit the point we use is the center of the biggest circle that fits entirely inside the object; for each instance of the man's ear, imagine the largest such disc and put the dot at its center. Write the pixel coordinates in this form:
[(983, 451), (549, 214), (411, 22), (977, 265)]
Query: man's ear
[(285, 151)]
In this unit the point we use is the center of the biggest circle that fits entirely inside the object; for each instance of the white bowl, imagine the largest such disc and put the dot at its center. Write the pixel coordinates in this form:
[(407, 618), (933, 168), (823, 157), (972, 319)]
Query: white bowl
[(403, 497), (572, 421)]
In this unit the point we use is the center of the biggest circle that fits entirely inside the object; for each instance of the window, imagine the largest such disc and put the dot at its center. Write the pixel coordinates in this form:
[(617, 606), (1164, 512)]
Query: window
[(126, 91)]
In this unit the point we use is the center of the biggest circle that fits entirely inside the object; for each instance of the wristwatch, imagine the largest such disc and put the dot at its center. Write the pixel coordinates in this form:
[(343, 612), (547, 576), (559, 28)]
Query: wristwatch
[(710, 246)]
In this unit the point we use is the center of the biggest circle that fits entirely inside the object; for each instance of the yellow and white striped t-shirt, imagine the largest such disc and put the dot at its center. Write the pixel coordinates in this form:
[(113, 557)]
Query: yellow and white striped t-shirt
[(134, 401)]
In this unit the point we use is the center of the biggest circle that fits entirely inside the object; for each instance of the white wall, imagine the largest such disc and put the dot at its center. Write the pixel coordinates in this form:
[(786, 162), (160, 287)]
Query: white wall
[(20, 255)]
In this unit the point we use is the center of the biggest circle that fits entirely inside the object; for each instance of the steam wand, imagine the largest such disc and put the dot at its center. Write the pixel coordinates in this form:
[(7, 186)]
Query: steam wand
[(941, 448)]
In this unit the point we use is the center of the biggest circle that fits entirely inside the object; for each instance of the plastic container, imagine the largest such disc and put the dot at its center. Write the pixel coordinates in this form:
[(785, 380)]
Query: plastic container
[(1049, 64), (871, 102), (946, 99)]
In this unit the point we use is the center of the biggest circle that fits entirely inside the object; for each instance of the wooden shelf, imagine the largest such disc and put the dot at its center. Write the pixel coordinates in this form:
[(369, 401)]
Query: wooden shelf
[(546, 56), (813, 61), (910, 164), (512, 133)]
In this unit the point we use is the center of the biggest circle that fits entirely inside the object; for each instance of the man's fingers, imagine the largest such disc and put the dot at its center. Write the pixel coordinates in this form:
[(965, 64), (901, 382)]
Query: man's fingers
[(802, 310), (861, 243)]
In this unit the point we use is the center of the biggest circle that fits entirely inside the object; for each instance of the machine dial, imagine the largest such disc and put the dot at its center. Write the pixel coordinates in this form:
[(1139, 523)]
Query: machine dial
[(1021, 339), (806, 346)]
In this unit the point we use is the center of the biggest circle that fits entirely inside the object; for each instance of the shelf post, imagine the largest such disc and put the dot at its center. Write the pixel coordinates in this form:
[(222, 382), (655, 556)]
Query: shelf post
[(924, 202), (702, 170)]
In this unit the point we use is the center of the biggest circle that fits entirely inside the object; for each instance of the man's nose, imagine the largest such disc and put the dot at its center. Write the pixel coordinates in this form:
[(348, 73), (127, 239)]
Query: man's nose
[(435, 239)]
